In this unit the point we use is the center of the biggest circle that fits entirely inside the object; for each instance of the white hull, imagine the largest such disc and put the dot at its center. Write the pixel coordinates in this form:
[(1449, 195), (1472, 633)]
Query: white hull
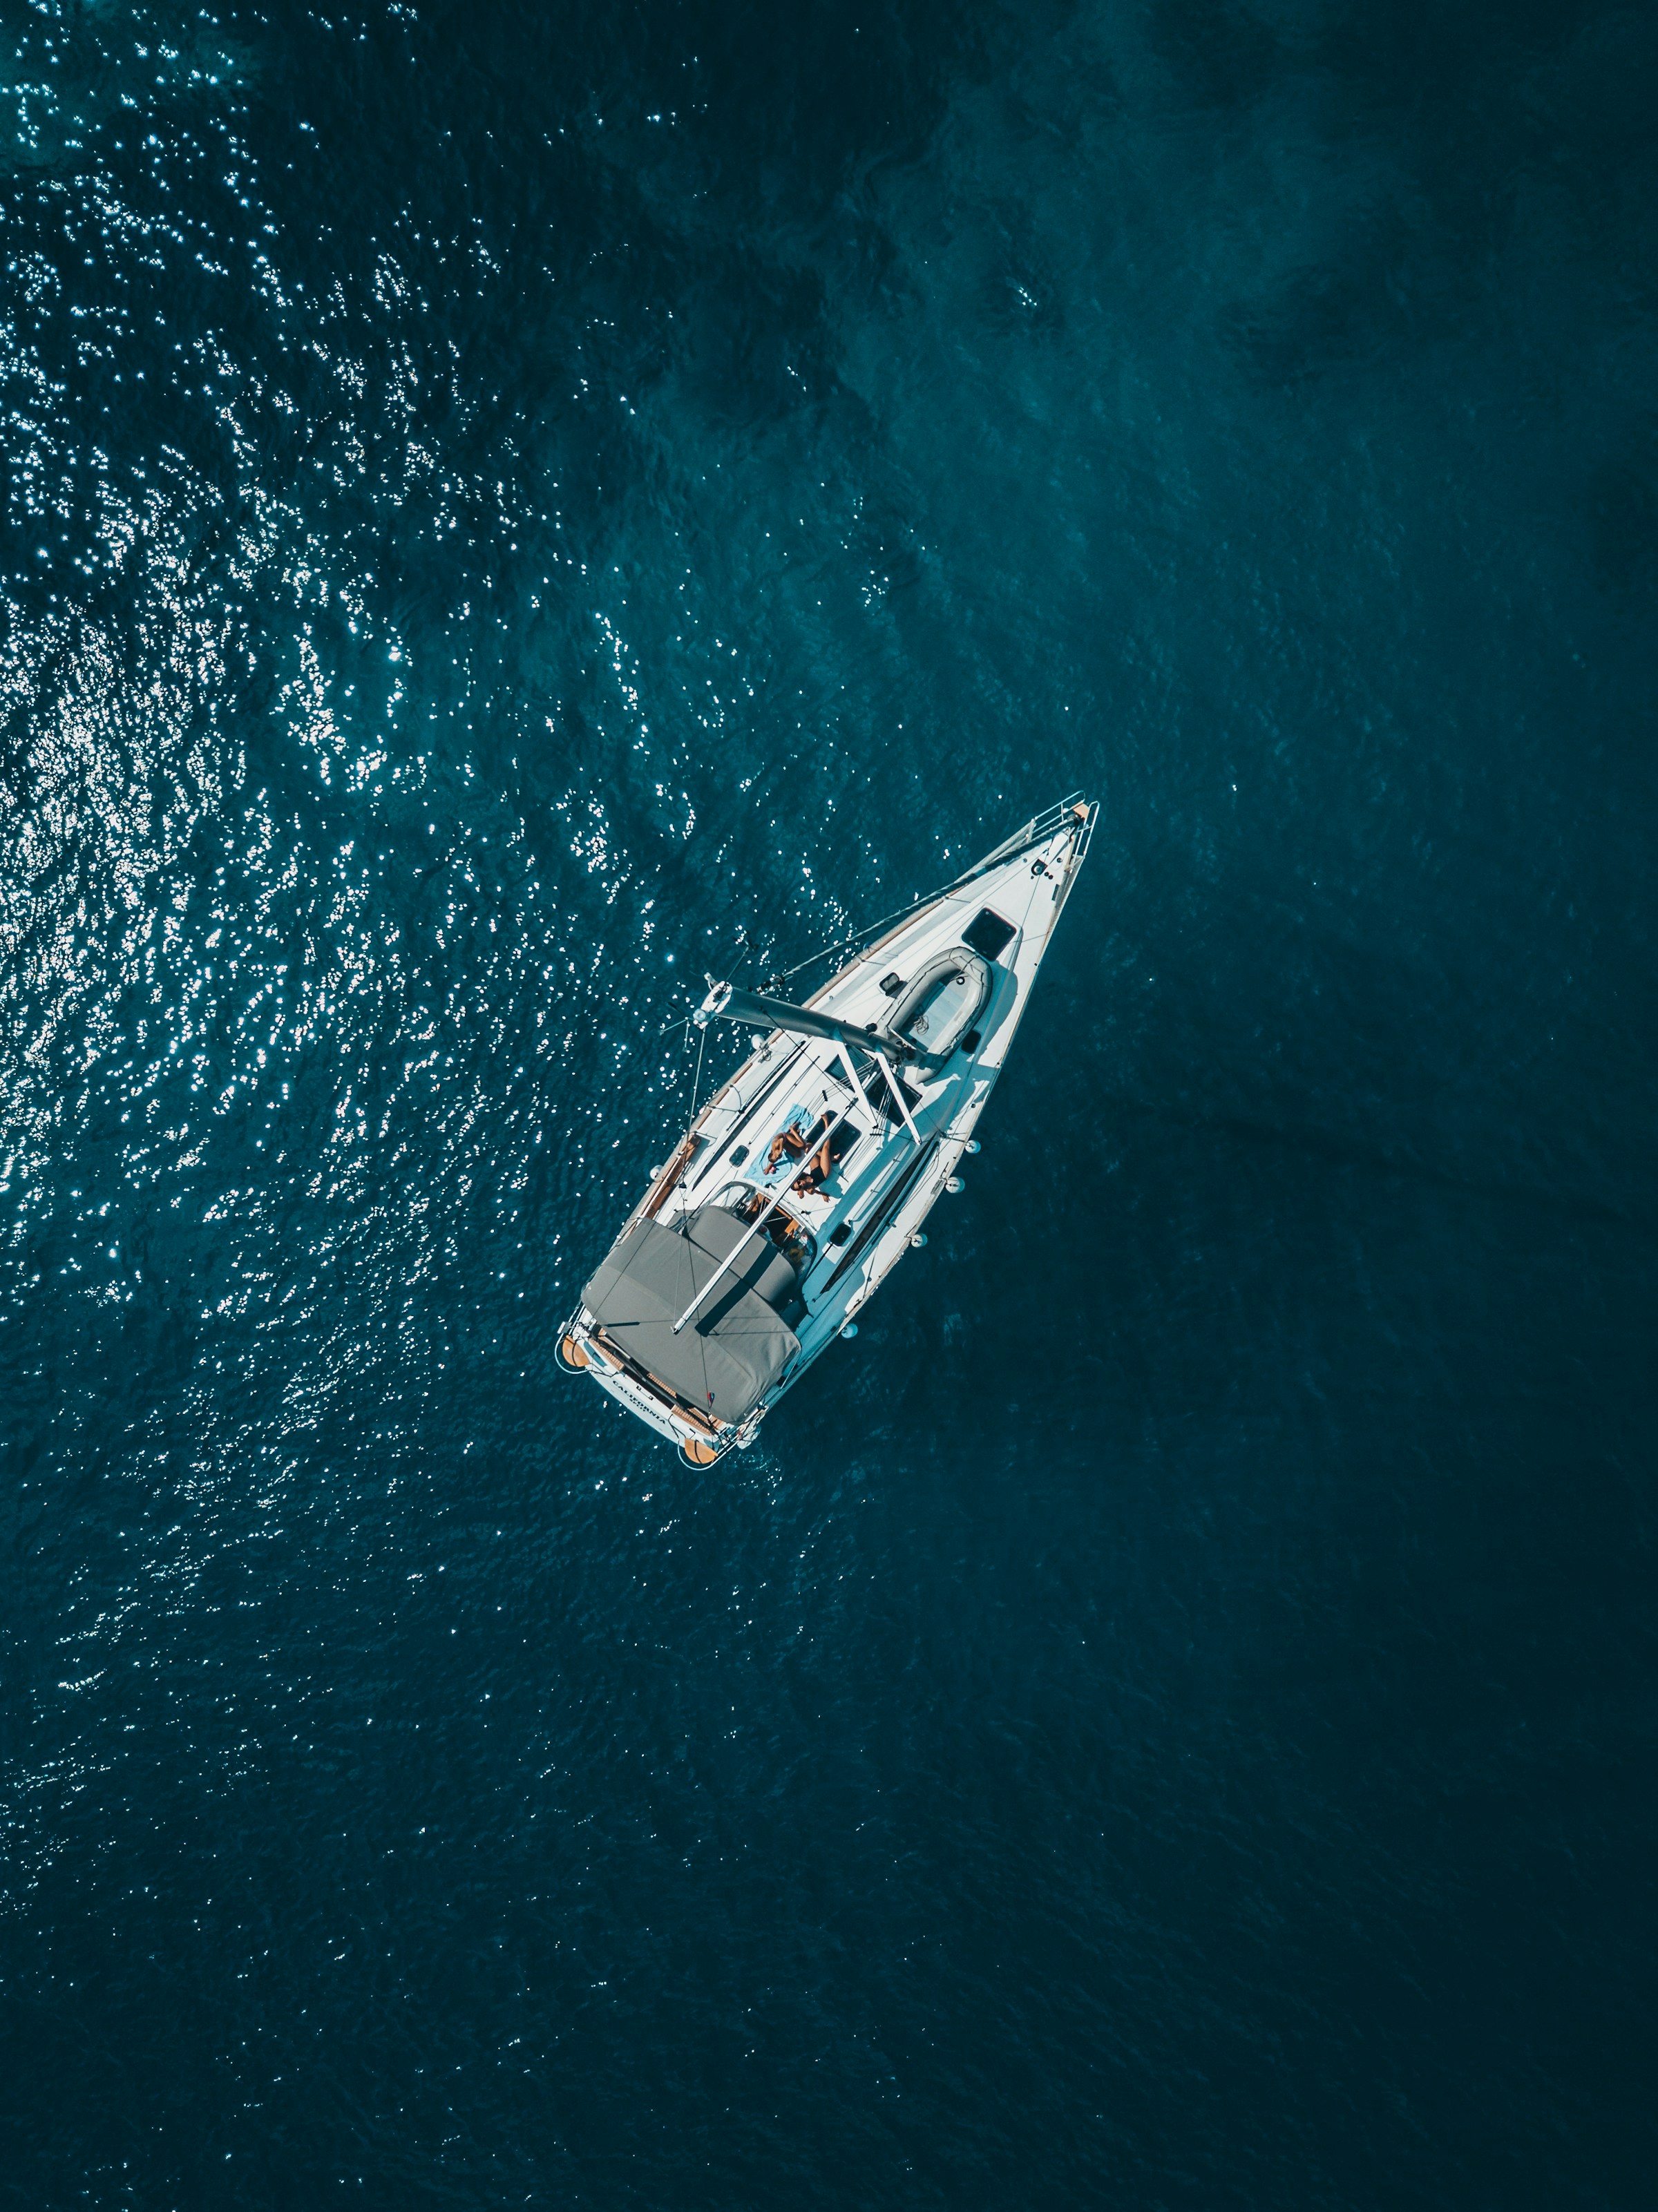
[(848, 1233)]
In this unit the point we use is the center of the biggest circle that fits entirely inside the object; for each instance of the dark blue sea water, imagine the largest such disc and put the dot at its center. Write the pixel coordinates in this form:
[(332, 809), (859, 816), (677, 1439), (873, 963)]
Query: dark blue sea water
[(500, 498)]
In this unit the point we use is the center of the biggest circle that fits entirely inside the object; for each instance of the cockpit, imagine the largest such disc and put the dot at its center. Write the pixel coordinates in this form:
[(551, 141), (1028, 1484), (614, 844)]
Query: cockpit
[(791, 1237)]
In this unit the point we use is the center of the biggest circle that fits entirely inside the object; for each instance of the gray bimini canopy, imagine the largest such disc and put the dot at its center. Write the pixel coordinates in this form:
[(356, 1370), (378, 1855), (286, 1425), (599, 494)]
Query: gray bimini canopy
[(736, 1344)]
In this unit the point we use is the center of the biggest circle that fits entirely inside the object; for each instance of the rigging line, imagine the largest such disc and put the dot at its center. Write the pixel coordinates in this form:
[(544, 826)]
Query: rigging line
[(696, 1080), (1041, 825), (845, 944)]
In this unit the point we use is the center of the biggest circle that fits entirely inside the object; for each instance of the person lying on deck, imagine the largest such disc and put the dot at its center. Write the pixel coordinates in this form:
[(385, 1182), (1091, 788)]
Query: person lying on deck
[(793, 1140), (834, 1148)]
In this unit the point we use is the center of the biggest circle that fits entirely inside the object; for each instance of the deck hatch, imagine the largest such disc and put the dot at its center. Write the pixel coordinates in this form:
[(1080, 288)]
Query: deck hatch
[(989, 935)]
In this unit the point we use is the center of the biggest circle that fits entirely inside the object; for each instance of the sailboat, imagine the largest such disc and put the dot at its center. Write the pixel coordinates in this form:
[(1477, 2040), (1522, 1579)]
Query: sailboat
[(811, 1171)]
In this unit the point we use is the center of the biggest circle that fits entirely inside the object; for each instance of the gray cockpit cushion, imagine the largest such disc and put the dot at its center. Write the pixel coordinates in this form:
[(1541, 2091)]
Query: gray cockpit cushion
[(737, 1343)]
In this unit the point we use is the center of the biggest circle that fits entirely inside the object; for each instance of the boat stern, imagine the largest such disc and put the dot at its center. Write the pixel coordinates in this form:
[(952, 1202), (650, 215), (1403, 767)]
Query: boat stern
[(582, 1350)]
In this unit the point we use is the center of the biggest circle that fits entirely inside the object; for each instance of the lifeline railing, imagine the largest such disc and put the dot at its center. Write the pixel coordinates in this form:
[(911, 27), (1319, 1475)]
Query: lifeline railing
[(1077, 808)]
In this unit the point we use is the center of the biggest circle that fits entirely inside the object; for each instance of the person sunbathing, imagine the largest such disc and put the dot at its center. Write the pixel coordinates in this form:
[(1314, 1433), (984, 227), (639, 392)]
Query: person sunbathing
[(816, 1168), (792, 1140), (834, 1149), (797, 1142)]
